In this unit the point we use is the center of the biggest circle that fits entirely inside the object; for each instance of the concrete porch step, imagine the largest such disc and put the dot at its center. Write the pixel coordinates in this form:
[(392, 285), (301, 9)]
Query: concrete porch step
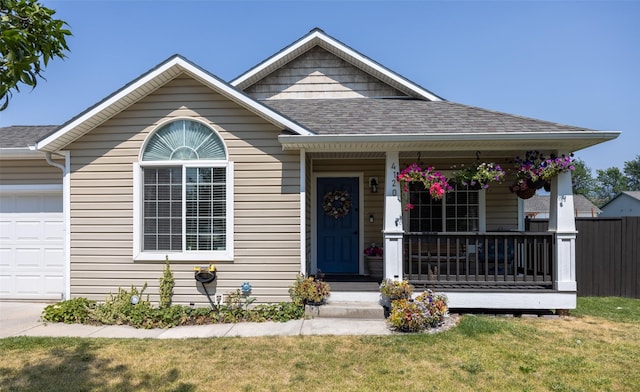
[(338, 309)]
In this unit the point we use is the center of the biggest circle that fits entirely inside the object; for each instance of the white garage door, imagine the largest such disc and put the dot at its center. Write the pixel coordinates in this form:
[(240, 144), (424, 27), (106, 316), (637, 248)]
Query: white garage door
[(31, 246)]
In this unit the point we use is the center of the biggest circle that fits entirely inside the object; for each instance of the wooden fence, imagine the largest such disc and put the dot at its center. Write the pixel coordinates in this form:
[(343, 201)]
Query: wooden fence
[(607, 255)]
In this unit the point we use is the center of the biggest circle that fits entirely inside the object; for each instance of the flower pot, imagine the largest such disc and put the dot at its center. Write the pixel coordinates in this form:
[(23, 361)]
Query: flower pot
[(538, 184), (547, 186), (313, 303), (526, 193), (373, 266)]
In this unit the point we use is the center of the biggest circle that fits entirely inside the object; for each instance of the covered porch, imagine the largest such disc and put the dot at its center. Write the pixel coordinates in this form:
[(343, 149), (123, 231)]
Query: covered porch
[(489, 262), (497, 265)]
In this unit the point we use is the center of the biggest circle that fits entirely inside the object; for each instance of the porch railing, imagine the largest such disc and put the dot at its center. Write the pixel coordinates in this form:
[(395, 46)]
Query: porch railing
[(501, 260)]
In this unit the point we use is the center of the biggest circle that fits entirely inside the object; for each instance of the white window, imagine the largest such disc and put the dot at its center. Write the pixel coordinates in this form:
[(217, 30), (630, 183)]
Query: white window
[(459, 211), (184, 195)]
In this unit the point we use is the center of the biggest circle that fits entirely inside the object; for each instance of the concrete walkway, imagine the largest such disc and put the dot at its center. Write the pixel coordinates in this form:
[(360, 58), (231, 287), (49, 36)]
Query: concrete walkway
[(23, 319)]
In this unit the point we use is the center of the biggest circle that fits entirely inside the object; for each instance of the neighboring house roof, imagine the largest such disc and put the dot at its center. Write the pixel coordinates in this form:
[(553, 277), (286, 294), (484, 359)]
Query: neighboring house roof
[(539, 204), (632, 194), (146, 84), (625, 203), (317, 37)]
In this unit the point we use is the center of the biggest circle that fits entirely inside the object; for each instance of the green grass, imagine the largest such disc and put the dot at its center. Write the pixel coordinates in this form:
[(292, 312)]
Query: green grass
[(610, 308), (591, 352)]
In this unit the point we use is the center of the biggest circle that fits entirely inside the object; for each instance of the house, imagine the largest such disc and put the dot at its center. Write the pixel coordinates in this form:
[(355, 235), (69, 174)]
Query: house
[(625, 203), (537, 207), (289, 168)]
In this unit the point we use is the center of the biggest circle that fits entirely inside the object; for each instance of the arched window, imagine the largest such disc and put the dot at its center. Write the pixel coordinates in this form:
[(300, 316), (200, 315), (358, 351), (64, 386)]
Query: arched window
[(185, 206), (184, 140)]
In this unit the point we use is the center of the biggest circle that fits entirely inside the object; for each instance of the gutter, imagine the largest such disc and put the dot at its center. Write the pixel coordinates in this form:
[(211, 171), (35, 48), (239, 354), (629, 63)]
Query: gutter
[(569, 141), (453, 137)]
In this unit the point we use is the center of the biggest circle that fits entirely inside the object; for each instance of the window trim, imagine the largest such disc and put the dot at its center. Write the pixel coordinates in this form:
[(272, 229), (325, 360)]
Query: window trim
[(185, 255), (482, 216), (138, 197)]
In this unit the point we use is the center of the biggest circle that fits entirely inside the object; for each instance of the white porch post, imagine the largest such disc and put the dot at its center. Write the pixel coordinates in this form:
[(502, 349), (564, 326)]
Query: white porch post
[(393, 230), (562, 223), (303, 212)]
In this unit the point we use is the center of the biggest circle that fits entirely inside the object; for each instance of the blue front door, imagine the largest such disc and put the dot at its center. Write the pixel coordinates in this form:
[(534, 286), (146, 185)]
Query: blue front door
[(337, 224)]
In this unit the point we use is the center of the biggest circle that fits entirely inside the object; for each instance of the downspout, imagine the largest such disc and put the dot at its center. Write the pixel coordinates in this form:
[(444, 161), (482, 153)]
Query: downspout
[(66, 207), (47, 156)]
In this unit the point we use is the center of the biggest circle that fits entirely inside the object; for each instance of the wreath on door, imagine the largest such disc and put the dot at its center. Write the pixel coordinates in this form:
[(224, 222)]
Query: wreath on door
[(336, 204)]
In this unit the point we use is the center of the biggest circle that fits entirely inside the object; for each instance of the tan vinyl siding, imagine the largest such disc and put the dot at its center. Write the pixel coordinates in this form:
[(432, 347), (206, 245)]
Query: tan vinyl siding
[(266, 200), (502, 208), (319, 74), (29, 172)]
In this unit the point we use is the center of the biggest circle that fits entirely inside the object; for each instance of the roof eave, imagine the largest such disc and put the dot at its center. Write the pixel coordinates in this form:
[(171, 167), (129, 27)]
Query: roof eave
[(556, 141)]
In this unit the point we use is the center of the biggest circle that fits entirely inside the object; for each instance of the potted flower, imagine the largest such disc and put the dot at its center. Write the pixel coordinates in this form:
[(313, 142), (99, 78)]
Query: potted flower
[(433, 181), (391, 290), (373, 257), (309, 291), (479, 175)]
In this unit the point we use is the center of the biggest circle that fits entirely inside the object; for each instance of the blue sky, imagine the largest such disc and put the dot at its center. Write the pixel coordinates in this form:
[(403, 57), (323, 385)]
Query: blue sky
[(572, 62)]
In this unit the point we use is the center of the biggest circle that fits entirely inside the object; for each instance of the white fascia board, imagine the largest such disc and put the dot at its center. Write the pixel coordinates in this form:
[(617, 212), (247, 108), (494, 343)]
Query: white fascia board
[(114, 99), (183, 65), (519, 136), (328, 41)]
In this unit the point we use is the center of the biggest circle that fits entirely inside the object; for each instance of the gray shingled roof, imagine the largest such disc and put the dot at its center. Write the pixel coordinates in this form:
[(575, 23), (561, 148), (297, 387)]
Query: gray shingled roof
[(23, 136), (404, 116), (540, 204)]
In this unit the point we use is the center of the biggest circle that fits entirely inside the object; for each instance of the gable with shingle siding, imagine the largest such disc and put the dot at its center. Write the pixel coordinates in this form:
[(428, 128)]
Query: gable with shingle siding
[(320, 74)]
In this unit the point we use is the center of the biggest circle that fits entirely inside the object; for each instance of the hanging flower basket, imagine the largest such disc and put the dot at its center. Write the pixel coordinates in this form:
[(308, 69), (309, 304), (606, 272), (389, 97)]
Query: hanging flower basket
[(535, 170), (435, 182), (478, 175), (526, 193), (336, 204)]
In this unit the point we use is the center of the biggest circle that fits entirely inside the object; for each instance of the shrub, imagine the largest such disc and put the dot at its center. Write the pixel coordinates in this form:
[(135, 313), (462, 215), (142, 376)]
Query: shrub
[(76, 310), (280, 312), (166, 285), (395, 289), (426, 311), (309, 290), (119, 309)]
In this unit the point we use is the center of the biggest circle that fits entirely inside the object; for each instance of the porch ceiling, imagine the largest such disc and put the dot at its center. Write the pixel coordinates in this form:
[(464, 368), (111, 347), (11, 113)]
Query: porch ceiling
[(462, 144)]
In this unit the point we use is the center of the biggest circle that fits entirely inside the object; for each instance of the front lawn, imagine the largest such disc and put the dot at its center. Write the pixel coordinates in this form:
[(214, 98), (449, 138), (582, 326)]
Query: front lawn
[(582, 353)]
